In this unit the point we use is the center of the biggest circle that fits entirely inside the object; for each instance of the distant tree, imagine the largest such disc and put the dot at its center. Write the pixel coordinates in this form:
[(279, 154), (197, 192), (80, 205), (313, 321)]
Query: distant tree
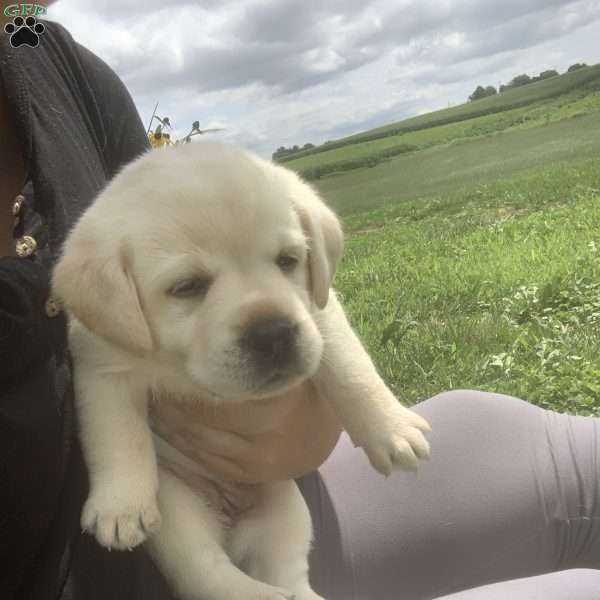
[(576, 67), (278, 153), (282, 151), (520, 80), (503, 88), (547, 74), (478, 94), (481, 92)]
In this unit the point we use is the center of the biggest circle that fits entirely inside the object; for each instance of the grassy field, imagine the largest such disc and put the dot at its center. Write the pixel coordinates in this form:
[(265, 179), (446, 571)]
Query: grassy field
[(475, 263), (495, 287)]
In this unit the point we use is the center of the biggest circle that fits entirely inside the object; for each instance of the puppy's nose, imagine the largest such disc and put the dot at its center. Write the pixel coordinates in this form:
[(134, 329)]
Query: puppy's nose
[(272, 341)]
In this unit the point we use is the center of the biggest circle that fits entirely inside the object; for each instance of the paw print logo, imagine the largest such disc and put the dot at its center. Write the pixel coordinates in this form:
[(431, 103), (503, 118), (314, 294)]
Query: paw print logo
[(24, 31)]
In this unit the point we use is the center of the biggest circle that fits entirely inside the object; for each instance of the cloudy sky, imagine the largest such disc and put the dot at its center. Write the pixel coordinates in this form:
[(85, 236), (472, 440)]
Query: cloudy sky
[(285, 72)]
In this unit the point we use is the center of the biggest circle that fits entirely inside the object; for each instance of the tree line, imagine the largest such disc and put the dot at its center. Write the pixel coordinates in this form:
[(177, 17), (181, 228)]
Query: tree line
[(282, 151), (483, 92)]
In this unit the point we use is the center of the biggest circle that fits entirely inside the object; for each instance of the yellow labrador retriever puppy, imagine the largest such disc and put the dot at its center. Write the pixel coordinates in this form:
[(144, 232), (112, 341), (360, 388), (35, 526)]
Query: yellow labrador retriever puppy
[(202, 274)]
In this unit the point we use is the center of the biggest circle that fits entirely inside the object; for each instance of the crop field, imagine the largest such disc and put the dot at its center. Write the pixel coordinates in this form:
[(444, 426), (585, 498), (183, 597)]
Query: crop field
[(442, 169), (574, 104), (476, 263)]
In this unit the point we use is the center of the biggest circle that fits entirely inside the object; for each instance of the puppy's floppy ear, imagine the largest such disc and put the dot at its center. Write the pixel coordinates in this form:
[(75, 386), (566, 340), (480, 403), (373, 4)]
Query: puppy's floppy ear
[(93, 281), (326, 242)]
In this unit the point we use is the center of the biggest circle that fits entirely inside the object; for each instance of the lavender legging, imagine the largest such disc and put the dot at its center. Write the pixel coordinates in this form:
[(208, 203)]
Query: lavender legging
[(508, 508)]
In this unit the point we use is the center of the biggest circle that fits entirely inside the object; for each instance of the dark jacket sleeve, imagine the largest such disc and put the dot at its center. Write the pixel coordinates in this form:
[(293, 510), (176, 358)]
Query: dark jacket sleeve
[(120, 129)]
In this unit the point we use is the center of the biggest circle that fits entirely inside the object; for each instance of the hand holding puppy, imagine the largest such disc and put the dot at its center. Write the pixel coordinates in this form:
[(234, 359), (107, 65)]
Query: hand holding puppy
[(302, 441)]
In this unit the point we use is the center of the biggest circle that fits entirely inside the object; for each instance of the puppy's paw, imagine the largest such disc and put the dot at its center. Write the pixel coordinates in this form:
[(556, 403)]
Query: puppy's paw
[(120, 518), (278, 595), (262, 591), (395, 440), (308, 595)]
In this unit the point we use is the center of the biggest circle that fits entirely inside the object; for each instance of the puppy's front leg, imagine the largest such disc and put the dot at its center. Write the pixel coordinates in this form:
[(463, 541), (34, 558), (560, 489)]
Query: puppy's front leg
[(272, 539), (189, 550), (390, 434), (121, 509)]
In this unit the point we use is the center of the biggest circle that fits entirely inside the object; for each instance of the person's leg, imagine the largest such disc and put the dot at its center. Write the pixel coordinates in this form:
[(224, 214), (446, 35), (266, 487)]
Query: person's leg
[(511, 491), (575, 584)]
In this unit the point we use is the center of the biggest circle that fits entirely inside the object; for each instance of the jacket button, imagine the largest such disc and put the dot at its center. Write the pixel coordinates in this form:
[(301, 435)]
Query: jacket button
[(16, 209), (52, 307), (26, 246)]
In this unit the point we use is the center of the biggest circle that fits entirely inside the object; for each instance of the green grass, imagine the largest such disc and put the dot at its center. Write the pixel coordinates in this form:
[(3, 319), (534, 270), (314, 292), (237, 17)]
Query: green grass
[(495, 286)]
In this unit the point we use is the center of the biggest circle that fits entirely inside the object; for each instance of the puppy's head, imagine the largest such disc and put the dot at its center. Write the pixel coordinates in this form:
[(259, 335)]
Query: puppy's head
[(209, 258)]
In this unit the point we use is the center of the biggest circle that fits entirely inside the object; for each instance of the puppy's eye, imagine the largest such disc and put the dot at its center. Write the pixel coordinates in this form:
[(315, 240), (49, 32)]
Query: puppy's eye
[(286, 262), (195, 286)]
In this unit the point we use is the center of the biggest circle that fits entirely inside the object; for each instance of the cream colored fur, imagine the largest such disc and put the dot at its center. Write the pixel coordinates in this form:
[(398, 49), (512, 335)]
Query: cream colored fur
[(215, 211)]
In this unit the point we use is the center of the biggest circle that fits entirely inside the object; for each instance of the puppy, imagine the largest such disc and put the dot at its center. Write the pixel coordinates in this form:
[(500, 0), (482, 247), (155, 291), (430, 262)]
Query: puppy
[(202, 274)]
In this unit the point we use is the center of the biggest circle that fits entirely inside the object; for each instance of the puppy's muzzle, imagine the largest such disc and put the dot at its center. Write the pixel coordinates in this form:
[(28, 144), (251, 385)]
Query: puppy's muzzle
[(271, 343)]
